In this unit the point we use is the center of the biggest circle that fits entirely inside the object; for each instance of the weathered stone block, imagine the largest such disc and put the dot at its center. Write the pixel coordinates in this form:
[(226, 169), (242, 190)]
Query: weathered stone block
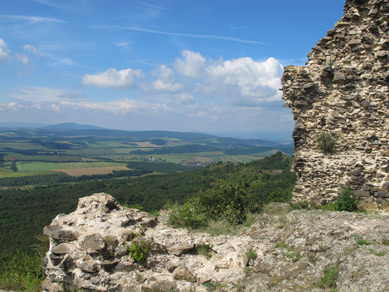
[(361, 193), (59, 233), (93, 243)]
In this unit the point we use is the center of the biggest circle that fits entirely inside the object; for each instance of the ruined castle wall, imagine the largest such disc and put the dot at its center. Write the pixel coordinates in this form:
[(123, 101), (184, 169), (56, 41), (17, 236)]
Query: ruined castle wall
[(342, 91)]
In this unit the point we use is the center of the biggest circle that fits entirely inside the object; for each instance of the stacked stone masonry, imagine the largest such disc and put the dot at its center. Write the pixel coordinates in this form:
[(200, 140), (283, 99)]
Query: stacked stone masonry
[(342, 91)]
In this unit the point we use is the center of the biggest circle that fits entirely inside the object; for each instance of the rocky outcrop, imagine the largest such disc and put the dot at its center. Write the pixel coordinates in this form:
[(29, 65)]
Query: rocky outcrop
[(342, 92), (94, 249)]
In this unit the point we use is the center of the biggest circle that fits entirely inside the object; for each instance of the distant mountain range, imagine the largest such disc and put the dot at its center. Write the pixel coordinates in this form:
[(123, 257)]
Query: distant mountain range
[(71, 126), (64, 129)]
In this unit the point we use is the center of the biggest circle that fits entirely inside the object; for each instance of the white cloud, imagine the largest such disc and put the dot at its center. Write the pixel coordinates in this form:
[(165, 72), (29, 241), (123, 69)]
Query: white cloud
[(32, 19), (16, 106), (37, 95), (22, 58), (165, 81), (34, 50), (192, 93), (183, 98), (237, 82), (116, 107), (3, 50), (124, 44), (192, 64), (247, 81), (113, 79), (180, 34), (62, 62)]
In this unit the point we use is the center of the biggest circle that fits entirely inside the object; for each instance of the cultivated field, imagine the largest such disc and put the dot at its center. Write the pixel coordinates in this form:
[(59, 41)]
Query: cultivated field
[(38, 166), (26, 152), (91, 171)]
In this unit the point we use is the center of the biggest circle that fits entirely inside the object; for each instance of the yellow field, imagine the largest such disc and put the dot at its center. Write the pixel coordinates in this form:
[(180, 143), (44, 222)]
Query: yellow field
[(91, 171)]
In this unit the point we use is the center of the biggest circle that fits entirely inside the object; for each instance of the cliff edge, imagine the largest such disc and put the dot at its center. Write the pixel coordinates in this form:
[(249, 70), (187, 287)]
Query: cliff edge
[(341, 95)]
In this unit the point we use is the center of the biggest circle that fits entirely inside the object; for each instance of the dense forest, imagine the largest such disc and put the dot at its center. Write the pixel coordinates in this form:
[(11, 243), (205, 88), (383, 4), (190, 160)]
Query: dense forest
[(24, 212)]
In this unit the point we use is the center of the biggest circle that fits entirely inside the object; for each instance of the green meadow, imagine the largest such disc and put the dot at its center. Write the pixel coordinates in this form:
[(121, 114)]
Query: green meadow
[(39, 166)]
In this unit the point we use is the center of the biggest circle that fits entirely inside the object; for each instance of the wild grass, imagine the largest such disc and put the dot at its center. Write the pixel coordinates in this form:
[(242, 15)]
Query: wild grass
[(330, 275)]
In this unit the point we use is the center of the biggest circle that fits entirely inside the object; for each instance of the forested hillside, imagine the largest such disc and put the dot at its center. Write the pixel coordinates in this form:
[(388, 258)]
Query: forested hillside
[(24, 213)]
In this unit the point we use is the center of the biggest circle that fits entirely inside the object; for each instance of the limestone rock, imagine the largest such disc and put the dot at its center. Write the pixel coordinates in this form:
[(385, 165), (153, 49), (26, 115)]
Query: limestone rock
[(292, 249), (343, 91), (182, 273)]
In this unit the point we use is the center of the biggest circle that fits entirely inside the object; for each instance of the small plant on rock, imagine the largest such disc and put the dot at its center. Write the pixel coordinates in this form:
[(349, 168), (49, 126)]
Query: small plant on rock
[(330, 275), (139, 249), (212, 286), (294, 256), (327, 143), (360, 241), (283, 244), (251, 255), (205, 250)]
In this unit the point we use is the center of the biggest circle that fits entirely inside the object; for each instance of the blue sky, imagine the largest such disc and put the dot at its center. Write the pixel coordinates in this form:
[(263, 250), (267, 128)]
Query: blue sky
[(203, 66)]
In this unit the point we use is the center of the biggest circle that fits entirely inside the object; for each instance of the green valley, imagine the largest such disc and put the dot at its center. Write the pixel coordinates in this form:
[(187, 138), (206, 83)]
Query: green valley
[(78, 152)]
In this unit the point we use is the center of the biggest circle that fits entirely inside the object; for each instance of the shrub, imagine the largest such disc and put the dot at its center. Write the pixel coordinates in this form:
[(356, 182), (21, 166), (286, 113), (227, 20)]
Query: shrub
[(187, 215), (224, 201), (327, 143), (346, 201), (280, 196), (300, 205)]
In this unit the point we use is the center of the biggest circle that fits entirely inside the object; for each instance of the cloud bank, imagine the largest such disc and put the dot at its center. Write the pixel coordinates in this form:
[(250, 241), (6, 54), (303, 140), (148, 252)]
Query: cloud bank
[(238, 82), (193, 92), (113, 78)]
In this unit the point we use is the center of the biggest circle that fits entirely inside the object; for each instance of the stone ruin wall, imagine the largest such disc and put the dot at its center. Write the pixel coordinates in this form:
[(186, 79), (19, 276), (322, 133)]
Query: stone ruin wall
[(343, 91)]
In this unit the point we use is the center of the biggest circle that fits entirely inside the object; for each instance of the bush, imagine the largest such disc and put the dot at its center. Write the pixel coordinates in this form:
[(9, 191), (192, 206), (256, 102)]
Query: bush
[(346, 201), (279, 196), (187, 215), (224, 201), (327, 143)]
